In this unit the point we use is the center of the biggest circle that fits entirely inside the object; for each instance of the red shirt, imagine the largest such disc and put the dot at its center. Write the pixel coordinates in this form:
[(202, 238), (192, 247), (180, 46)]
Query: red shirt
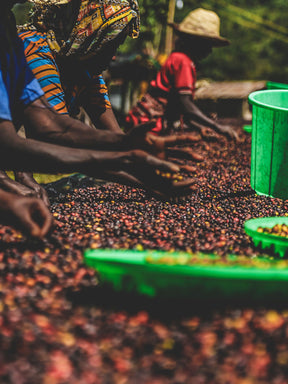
[(177, 74)]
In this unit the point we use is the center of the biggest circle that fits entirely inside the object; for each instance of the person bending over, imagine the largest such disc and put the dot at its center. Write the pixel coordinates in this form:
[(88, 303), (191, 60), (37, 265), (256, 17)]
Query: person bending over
[(74, 40), (171, 95), (101, 154)]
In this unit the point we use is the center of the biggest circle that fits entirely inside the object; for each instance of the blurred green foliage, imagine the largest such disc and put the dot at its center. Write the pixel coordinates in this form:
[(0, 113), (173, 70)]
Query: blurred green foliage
[(257, 29), (21, 12)]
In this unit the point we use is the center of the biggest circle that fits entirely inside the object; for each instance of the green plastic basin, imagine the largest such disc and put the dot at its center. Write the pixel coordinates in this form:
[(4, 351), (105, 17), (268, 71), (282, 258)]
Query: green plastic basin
[(273, 85), (269, 160), (130, 271), (265, 240)]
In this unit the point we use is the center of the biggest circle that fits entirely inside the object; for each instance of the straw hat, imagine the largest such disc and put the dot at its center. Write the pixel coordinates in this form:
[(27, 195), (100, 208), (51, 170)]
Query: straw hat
[(201, 23)]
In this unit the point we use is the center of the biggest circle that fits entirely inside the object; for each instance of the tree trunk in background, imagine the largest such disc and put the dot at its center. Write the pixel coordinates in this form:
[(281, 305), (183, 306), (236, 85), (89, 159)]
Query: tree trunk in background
[(169, 30)]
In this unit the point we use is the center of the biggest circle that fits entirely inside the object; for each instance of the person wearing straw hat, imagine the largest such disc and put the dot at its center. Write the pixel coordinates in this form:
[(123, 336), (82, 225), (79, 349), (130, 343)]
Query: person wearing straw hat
[(22, 101), (170, 97), (67, 45)]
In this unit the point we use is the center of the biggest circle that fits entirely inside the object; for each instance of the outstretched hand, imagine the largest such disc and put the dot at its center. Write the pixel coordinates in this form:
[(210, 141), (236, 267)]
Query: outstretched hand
[(141, 169), (158, 176), (227, 131), (164, 147), (216, 133)]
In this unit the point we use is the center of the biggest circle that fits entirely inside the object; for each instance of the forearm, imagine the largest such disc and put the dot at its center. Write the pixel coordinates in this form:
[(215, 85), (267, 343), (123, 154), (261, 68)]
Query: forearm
[(77, 134), (21, 154), (193, 113), (43, 123)]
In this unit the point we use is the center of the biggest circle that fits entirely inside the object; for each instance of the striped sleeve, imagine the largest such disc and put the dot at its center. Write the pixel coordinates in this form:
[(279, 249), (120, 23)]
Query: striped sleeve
[(44, 68)]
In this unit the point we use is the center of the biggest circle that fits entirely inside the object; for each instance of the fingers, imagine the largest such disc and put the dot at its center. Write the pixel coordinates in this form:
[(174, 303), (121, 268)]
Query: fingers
[(184, 187), (176, 189), (209, 135), (28, 226), (188, 168), (35, 218), (231, 134), (26, 180), (235, 136), (43, 220), (227, 131), (19, 189), (124, 178), (153, 163), (39, 192), (184, 153), (43, 195), (181, 139)]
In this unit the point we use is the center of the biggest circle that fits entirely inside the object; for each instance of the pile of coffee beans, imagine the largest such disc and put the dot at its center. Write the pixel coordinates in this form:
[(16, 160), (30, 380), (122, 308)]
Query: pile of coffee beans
[(205, 260), (276, 230), (59, 326)]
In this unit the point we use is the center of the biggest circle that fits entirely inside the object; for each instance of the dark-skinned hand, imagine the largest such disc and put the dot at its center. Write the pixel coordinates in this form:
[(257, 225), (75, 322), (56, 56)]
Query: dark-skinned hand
[(13, 186), (217, 133), (27, 179), (158, 176), (164, 147), (30, 215), (141, 169)]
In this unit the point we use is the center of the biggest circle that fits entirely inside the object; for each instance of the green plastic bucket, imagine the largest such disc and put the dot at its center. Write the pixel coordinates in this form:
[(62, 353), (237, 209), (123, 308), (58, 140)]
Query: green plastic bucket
[(269, 152), (273, 85)]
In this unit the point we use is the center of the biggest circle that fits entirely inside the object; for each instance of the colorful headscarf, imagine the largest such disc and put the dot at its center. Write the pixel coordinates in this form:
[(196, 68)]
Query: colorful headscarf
[(94, 23)]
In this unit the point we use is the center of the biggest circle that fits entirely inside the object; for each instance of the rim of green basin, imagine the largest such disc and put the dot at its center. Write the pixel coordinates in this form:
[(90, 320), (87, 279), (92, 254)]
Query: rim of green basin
[(252, 98)]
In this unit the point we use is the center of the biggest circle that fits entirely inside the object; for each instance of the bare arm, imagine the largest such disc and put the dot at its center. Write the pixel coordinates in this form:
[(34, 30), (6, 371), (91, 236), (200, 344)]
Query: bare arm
[(21, 154), (26, 155), (190, 110), (195, 115), (43, 123)]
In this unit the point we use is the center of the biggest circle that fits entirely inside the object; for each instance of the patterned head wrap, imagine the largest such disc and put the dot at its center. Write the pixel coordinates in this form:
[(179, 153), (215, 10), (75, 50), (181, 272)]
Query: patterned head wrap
[(82, 27)]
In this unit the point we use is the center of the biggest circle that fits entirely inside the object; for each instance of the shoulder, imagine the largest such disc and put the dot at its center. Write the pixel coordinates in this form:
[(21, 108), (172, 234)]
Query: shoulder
[(179, 57), (29, 36)]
